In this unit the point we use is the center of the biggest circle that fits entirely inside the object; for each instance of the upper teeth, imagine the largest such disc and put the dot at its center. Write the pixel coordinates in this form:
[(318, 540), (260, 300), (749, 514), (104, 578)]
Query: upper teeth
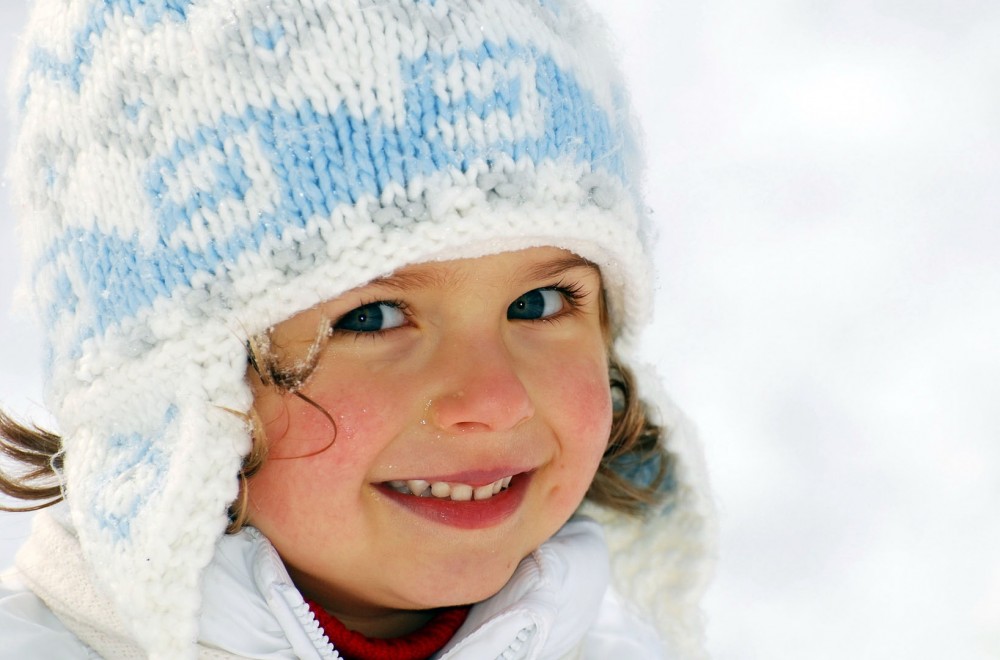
[(445, 490)]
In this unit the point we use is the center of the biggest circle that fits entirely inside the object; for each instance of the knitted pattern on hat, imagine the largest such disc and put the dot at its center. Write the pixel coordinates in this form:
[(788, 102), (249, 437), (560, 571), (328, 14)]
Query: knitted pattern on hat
[(190, 172)]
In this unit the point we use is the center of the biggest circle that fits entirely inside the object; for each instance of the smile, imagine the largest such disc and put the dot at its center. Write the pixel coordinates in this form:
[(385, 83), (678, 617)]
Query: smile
[(458, 504), (456, 492)]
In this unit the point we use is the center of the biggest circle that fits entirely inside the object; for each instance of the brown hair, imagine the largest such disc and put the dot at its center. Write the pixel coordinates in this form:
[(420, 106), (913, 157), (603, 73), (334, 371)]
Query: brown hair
[(38, 453), (636, 471), (634, 474)]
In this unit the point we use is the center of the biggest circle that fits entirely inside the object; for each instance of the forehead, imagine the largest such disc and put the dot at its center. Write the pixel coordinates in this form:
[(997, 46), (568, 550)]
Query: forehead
[(506, 267)]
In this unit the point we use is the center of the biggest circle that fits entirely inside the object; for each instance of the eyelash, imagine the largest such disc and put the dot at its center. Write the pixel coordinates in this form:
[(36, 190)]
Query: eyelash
[(400, 305), (573, 293)]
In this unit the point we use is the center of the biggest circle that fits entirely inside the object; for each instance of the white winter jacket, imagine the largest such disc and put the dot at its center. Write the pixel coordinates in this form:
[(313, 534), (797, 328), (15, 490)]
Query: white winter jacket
[(558, 604)]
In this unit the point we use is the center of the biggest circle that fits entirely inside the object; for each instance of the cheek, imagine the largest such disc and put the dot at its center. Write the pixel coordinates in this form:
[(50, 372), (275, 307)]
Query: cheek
[(295, 425), (581, 409), (578, 410), (594, 410), (315, 452), (327, 418), (585, 391)]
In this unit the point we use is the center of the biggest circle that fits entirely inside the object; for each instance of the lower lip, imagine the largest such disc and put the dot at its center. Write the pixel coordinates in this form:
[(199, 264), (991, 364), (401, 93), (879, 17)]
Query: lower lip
[(471, 514)]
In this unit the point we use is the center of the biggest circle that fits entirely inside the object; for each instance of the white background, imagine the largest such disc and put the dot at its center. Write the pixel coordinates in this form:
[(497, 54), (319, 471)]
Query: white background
[(825, 178)]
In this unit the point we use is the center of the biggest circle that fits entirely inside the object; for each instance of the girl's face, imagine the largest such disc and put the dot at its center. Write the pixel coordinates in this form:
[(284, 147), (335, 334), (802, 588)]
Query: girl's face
[(471, 404)]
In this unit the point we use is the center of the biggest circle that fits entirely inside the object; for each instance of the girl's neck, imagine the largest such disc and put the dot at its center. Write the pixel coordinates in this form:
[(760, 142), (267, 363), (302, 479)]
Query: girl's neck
[(386, 625), (370, 620)]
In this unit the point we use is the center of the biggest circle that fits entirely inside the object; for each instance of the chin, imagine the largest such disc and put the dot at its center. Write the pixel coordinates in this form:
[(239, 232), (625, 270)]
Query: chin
[(463, 587)]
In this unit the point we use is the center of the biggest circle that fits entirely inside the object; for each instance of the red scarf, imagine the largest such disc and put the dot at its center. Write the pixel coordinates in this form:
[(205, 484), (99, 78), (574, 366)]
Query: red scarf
[(418, 645)]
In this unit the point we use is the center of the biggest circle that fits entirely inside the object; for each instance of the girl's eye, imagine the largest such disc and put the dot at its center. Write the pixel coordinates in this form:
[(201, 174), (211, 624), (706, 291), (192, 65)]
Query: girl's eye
[(537, 304), (374, 317)]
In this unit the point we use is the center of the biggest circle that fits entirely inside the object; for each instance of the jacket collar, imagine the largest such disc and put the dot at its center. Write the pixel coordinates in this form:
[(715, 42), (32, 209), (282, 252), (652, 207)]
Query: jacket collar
[(251, 608)]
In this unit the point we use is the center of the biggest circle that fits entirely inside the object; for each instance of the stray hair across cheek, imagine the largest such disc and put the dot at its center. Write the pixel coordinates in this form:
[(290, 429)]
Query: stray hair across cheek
[(262, 361)]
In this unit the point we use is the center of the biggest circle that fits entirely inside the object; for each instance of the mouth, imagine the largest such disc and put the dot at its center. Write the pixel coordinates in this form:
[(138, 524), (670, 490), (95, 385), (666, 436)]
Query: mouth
[(460, 504), (444, 490)]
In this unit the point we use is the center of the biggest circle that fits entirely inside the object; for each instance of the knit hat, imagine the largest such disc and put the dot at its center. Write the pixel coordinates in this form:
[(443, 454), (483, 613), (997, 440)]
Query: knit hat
[(190, 172)]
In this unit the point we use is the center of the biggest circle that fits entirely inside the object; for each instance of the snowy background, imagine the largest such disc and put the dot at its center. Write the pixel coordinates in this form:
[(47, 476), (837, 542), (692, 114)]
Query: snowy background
[(826, 180)]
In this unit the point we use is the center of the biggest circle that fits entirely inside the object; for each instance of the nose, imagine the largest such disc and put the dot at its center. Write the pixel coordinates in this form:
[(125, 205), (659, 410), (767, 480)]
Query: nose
[(480, 388)]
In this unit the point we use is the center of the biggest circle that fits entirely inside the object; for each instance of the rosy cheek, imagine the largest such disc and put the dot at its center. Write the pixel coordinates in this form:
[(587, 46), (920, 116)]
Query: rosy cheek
[(579, 404), (322, 448), (586, 398), (355, 416), (298, 429), (347, 425)]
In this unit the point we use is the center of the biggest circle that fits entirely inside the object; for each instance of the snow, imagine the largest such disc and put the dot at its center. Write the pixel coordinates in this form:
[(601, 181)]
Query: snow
[(828, 309)]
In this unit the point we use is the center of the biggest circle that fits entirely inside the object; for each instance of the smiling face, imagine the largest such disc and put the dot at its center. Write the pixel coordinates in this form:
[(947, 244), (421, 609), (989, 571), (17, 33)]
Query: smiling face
[(472, 408)]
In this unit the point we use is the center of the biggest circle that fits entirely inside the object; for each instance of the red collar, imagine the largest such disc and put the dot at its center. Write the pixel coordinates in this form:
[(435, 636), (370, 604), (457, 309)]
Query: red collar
[(418, 645)]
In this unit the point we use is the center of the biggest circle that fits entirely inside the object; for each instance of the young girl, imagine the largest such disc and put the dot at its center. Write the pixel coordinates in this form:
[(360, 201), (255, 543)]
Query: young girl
[(335, 296)]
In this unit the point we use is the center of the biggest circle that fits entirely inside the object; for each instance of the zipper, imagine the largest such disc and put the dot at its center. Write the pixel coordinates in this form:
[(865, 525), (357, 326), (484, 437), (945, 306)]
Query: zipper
[(315, 632), (518, 647)]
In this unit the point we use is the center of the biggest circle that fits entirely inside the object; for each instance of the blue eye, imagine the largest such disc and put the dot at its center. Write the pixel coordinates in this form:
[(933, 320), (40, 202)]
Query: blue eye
[(536, 304), (374, 317)]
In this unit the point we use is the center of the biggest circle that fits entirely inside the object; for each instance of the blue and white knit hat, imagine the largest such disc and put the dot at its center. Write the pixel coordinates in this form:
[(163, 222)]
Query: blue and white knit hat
[(190, 172)]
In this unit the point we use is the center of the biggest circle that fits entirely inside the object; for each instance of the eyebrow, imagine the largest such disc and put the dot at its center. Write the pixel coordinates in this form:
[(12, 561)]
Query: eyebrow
[(549, 269), (438, 278), (426, 278)]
